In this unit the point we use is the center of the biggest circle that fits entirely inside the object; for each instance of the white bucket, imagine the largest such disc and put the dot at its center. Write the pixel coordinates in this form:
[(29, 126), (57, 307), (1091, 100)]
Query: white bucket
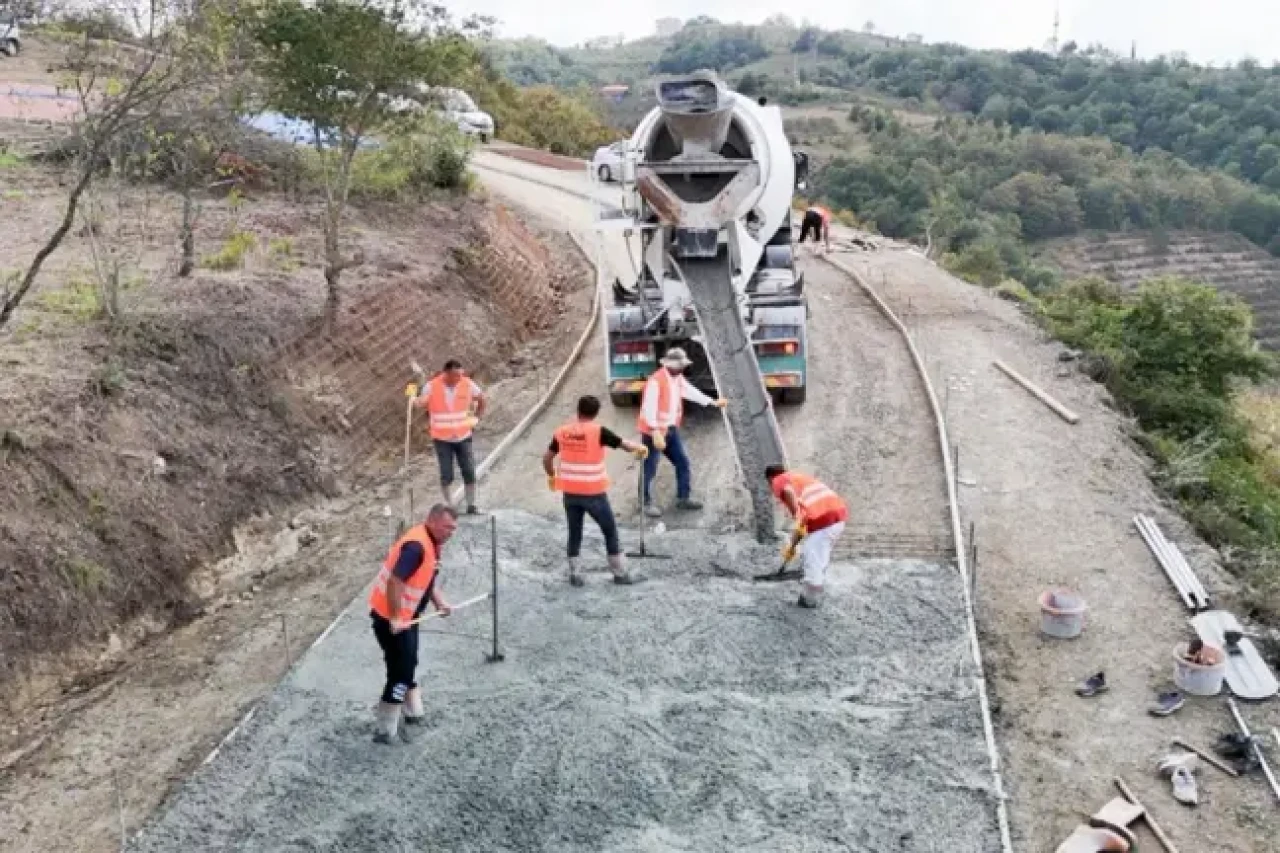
[(1199, 679), (1061, 613)]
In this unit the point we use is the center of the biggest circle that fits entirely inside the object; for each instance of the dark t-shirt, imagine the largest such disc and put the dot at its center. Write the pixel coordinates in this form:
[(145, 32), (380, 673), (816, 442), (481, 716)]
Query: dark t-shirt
[(607, 437)]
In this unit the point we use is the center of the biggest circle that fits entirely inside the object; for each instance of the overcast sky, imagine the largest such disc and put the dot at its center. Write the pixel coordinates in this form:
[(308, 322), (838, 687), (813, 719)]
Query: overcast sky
[(1218, 31)]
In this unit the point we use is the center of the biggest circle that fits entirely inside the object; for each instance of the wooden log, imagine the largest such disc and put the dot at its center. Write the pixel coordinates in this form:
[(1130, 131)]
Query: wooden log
[(1062, 411), (1164, 840)]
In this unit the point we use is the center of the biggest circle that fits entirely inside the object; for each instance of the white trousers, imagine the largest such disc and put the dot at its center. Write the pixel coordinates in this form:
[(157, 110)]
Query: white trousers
[(816, 549)]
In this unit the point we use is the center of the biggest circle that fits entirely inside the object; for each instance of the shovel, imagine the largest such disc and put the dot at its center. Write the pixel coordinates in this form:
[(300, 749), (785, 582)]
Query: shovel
[(782, 574)]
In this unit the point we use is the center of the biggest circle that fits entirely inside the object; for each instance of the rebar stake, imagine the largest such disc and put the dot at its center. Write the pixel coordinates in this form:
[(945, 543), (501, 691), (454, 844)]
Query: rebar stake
[(496, 656)]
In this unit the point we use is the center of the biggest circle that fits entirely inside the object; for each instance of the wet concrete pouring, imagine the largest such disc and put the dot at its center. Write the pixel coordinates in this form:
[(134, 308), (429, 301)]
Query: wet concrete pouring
[(696, 711)]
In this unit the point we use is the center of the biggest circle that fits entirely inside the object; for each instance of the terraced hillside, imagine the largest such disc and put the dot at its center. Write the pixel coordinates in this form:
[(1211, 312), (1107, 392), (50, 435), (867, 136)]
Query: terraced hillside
[(1225, 261)]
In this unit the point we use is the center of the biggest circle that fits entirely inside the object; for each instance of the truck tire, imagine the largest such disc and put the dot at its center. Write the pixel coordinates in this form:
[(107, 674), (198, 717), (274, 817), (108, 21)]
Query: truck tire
[(794, 396), (9, 47), (624, 399), (606, 175)]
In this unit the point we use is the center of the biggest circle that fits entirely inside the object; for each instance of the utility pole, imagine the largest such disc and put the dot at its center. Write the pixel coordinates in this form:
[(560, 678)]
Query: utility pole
[(1057, 20)]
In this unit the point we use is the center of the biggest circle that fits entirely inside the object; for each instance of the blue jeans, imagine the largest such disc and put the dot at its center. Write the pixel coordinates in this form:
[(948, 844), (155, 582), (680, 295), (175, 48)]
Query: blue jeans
[(577, 507), (674, 452)]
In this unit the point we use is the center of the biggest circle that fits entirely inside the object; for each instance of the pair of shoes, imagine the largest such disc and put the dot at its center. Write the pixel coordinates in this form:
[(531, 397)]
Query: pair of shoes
[(575, 579), (471, 510), (688, 504), (627, 579), (804, 602), (652, 510)]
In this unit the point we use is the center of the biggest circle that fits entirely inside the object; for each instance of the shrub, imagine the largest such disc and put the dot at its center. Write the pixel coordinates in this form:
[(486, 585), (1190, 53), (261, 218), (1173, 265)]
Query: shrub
[(80, 299), (231, 255), (429, 154)]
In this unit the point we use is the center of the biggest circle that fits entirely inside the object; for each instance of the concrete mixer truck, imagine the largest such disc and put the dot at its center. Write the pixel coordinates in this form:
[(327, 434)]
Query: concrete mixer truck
[(707, 182)]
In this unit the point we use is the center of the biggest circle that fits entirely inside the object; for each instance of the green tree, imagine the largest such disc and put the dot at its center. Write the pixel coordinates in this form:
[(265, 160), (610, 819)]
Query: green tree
[(336, 64)]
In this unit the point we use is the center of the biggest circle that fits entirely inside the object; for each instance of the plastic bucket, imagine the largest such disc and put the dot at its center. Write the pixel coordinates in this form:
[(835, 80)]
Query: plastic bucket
[(1061, 614), (1196, 678)]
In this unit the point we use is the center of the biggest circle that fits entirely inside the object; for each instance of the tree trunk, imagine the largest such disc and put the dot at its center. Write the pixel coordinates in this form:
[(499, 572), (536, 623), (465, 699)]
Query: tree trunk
[(188, 233), (51, 245)]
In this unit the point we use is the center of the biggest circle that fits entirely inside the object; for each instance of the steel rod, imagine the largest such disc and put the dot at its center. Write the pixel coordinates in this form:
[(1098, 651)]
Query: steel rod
[(496, 656)]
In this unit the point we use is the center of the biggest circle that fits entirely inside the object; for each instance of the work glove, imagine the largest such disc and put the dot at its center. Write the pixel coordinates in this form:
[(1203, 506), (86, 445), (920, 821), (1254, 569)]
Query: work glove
[(472, 421), (641, 452), (399, 625), (411, 390), (444, 610), (721, 403), (551, 482), (660, 440)]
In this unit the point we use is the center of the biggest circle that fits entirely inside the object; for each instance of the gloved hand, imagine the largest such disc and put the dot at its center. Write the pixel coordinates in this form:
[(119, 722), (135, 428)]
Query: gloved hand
[(721, 403), (660, 440), (641, 452), (472, 421), (551, 482), (399, 625)]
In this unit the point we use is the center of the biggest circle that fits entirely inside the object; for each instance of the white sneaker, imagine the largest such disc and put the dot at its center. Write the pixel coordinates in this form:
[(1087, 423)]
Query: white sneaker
[(1184, 787), (1188, 761)]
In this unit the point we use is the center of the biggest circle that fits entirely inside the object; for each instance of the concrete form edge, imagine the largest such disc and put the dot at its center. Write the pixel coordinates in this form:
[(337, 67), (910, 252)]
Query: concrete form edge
[(957, 532), (482, 469)]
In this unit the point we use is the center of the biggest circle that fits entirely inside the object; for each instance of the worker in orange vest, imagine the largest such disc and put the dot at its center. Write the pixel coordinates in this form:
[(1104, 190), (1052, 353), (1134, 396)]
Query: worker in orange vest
[(454, 404), (405, 584), (817, 221), (582, 478), (661, 413), (820, 515)]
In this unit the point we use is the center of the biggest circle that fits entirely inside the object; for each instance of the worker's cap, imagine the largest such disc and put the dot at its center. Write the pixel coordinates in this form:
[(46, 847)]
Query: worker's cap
[(676, 359)]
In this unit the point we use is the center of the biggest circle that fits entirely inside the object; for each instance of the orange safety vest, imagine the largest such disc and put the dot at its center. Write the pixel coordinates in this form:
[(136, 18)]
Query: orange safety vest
[(666, 387), (417, 584), (581, 470), (448, 422), (819, 506)]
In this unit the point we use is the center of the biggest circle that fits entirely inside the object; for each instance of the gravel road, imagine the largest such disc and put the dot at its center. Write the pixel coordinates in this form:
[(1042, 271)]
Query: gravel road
[(695, 712)]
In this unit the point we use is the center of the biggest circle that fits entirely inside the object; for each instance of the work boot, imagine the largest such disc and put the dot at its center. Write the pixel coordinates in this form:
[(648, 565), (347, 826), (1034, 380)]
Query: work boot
[(653, 510), (446, 495), (621, 576), (471, 500), (388, 721), (575, 579), (809, 597), (688, 504)]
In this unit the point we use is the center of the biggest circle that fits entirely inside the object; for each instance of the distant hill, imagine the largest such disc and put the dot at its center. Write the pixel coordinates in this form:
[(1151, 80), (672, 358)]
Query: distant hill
[(1225, 261)]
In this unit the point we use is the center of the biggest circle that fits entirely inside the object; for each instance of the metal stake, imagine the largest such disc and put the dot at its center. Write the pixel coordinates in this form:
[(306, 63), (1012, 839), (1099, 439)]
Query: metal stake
[(642, 553), (124, 833), (496, 656), (288, 655)]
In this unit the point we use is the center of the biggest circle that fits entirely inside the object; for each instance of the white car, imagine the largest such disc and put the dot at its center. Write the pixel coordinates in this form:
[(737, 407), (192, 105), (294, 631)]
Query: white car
[(456, 106), (607, 162), (10, 37)]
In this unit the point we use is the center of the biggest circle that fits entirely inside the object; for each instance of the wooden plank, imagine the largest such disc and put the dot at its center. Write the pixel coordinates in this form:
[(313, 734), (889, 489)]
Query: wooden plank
[(1061, 410)]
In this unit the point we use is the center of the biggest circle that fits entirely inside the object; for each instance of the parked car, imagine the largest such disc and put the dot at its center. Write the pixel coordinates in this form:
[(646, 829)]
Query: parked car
[(607, 162), (456, 106), (10, 37)]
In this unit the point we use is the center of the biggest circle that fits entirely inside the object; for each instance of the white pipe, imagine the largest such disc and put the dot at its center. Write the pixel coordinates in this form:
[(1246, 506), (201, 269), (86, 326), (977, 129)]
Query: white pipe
[(1154, 546), (962, 557), (1194, 586), (1152, 541)]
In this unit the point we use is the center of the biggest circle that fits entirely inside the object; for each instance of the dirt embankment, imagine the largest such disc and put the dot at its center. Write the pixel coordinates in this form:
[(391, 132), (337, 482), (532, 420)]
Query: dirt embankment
[(130, 453)]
